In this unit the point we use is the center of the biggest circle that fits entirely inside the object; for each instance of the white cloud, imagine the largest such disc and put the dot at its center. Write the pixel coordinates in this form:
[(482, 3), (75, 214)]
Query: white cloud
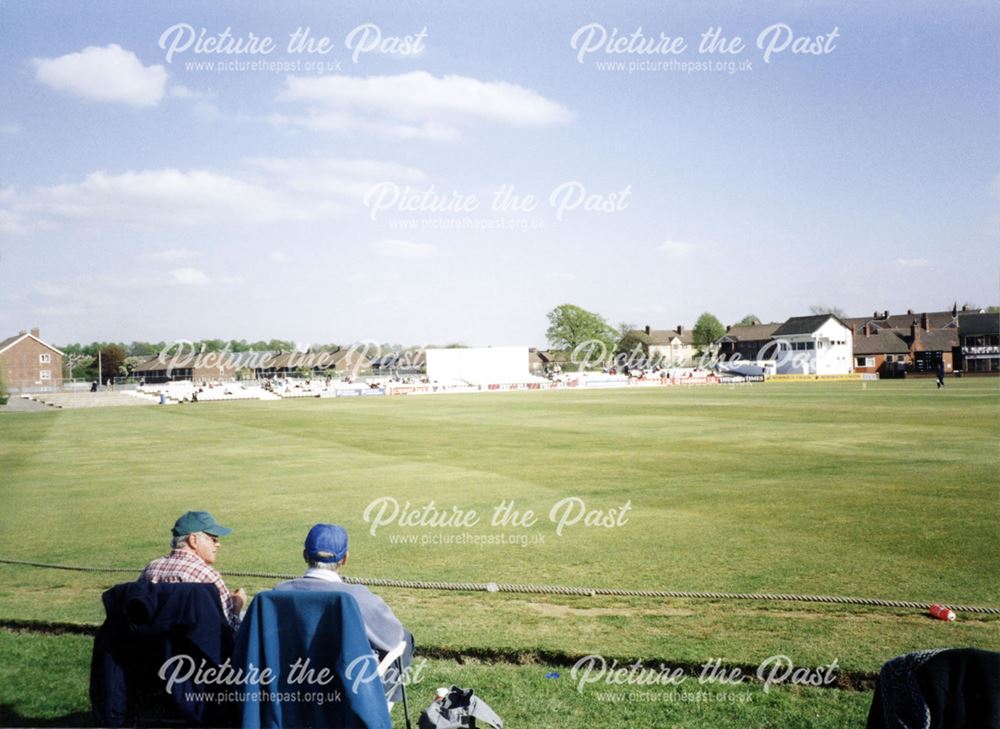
[(189, 276), (110, 74), (912, 262), (677, 249), (403, 249), (267, 190), (9, 128), (203, 103), (331, 177), (414, 105)]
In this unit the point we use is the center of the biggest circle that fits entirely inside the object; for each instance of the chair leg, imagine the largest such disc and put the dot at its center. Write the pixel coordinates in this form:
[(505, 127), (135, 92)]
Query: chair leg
[(406, 708)]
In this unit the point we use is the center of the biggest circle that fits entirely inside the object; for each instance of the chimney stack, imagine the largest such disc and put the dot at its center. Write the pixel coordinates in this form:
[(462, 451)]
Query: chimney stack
[(925, 322), (954, 309), (965, 307), (914, 334), (680, 329), (868, 331), (885, 314), (647, 329), (909, 312), (854, 329), (874, 315), (35, 334), (729, 328)]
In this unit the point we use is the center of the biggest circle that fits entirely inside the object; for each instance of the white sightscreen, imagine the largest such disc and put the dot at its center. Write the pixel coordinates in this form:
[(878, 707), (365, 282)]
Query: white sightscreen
[(478, 365)]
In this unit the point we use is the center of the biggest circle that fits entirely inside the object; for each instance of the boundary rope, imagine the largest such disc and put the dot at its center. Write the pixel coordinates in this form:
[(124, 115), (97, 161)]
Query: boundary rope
[(560, 590)]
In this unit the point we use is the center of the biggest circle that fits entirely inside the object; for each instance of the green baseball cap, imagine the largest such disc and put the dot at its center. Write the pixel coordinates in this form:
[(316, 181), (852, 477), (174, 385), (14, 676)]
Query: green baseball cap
[(199, 521)]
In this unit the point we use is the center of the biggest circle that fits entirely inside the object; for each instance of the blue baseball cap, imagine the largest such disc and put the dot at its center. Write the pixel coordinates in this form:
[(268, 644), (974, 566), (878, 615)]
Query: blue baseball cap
[(199, 521), (326, 543)]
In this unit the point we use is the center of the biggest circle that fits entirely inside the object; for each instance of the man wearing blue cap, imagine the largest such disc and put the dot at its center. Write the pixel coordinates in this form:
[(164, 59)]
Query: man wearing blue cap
[(194, 548), (326, 552)]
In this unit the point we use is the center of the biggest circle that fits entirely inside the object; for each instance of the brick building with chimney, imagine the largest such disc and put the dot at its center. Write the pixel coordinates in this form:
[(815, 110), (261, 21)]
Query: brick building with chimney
[(30, 365), (930, 338)]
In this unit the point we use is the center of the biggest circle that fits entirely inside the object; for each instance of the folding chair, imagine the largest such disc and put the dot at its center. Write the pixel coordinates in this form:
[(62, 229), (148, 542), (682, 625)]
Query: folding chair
[(338, 679), (393, 661)]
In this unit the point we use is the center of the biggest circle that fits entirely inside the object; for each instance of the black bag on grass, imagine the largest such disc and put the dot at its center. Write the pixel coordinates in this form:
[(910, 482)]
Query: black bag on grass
[(458, 710)]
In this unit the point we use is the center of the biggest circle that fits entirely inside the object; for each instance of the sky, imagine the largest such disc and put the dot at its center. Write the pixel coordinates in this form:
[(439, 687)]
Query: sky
[(449, 172)]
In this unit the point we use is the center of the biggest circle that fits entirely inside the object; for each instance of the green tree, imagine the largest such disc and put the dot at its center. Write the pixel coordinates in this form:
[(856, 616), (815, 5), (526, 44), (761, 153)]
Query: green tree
[(634, 343), (571, 327), (4, 395), (706, 331), (141, 349), (748, 321)]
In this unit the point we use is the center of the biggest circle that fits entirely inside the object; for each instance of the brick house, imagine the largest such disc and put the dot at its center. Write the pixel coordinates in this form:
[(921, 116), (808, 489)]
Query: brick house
[(931, 337), (30, 365), (883, 352)]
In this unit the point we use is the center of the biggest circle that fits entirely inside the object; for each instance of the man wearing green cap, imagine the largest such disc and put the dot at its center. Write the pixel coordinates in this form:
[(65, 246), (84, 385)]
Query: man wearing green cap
[(194, 548)]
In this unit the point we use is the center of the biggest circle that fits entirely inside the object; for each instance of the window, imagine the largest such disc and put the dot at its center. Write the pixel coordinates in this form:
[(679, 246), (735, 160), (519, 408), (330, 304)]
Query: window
[(44, 358), (45, 374), (861, 362)]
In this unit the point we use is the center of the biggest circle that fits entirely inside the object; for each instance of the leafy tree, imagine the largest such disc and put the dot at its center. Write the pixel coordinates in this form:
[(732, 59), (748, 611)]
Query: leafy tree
[(210, 345), (141, 349), (571, 326), (748, 321), (706, 331), (4, 395), (634, 341), (112, 358), (79, 366), (993, 309)]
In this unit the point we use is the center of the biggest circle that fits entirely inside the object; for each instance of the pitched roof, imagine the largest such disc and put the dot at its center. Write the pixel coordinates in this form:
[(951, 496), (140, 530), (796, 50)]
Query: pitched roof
[(902, 322), (880, 343), (938, 339), (750, 332), (663, 337), (974, 324), (805, 324), (11, 341)]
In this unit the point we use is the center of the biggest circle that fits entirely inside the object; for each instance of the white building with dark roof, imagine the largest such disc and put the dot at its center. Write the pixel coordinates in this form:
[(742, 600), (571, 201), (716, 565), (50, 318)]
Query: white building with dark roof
[(814, 345)]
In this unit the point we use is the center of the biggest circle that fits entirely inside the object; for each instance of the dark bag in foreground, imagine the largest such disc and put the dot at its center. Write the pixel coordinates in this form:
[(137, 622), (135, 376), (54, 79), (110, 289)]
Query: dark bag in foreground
[(458, 710)]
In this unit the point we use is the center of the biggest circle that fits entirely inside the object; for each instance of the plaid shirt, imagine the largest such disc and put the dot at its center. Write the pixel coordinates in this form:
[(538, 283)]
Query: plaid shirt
[(184, 566)]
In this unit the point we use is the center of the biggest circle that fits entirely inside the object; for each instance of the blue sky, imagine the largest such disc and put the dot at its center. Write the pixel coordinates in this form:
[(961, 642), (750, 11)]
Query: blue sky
[(147, 198)]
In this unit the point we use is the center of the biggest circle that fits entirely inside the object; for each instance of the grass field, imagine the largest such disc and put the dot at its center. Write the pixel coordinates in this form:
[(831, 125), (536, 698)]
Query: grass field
[(889, 491)]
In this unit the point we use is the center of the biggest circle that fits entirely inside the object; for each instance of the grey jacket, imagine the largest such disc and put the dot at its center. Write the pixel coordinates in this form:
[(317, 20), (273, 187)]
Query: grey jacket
[(383, 629)]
